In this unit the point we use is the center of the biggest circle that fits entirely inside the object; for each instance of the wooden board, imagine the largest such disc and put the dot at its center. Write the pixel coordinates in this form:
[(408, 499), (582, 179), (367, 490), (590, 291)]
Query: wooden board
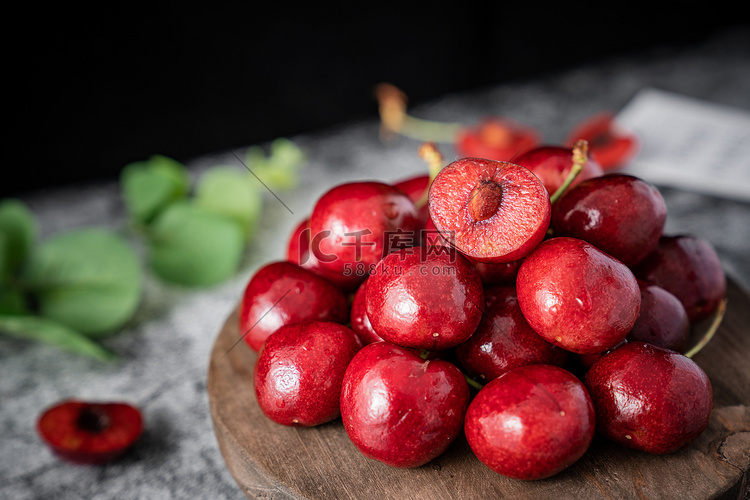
[(272, 461)]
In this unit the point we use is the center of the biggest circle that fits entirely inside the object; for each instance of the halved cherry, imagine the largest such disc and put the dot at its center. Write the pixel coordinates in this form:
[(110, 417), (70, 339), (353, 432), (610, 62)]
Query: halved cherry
[(610, 145), (496, 138), (90, 432)]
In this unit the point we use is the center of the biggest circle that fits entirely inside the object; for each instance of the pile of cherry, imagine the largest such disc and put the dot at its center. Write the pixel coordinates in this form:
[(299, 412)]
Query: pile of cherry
[(472, 300)]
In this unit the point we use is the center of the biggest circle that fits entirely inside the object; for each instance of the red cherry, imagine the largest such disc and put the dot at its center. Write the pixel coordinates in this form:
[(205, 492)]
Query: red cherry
[(496, 138), (552, 164), (358, 318), (609, 145), (531, 422), (90, 433)]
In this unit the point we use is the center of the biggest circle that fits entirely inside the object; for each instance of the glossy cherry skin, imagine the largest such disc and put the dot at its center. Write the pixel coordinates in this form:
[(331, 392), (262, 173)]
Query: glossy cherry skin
[(90, 432), (662, 321), (400, 409), (299, 251), (425, 297), (498, 274), (353, 225), (359, 321), (648, 398), (504, 340), (689, 268), (552, 164), (490, 211), (299, 371), (577, 297), (610, 144), (496, 138), (281, 293), (416, 189), (620, 214), (531, 422)]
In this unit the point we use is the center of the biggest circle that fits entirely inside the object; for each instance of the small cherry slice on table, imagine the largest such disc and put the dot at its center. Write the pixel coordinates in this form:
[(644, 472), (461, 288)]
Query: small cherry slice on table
[(491, 211), (496, 138), (87, 432)]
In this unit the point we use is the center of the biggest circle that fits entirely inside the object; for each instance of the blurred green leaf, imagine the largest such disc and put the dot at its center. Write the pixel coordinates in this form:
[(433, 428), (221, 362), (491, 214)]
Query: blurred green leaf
[(192, 246), (12, 302), (87, 279), (48, 331), (280, 169), (229, 191), (18, 232), (149, 186)]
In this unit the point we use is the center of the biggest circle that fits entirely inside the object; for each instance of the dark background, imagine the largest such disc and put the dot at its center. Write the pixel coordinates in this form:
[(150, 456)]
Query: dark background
[(92, 90)]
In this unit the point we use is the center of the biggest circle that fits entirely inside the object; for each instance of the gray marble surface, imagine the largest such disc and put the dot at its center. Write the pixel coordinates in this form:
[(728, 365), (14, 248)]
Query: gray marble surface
[(165, 349)]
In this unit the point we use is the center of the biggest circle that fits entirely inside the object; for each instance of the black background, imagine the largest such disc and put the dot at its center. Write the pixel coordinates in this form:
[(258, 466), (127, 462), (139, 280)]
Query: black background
[(94, 89)]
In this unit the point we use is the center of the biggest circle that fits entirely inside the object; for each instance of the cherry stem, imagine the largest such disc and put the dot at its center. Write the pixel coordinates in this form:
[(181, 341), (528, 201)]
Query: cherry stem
[(580, 157), (395, 120), (429, 152), (718, 318)]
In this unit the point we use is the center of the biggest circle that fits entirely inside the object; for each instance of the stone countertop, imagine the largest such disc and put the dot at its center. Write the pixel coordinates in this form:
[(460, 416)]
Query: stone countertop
[(165, 350)]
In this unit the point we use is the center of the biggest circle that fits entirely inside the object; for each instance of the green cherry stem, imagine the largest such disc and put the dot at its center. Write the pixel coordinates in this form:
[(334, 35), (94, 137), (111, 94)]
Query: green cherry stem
[(580, 156), (718, 318), (395, 120), (429, 152)]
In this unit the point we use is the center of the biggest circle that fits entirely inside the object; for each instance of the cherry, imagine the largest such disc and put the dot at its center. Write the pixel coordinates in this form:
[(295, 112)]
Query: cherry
[(662, 321), (689, 268), (552, 164), (354, 225), (649, 398), (576, 296), (416, 189), (400, 409), (610, 145), (360, 323), (620, 214), (491, 211), (299, 371), (531, 422), (90, 432), (496, 138), (425, 297), (504, 340), (282, 292), (498, 274)]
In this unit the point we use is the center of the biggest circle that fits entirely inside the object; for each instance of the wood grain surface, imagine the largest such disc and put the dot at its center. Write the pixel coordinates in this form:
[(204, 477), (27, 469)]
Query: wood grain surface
[(272, 461)]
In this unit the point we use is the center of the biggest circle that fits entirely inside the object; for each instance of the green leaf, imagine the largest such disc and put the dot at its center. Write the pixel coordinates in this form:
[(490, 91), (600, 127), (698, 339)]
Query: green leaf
[(230, 192), (12, 302), (149, 186), (87, 279), (18, 231), (280, 169), (48, 331), (192, 246)]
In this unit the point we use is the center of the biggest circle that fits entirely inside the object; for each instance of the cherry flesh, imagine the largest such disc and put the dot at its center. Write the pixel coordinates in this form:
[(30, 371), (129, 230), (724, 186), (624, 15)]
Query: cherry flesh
[(648, 398), (496, 138), (400, 409), (610, 144), (620, 214), (576, 296), (504, 340), (281, 293), (90, 432), (531, 422), (299, 371), (491, 211)]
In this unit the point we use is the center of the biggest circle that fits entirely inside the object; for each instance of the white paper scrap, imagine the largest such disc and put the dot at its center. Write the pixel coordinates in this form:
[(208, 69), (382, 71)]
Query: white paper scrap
[(689, 144)]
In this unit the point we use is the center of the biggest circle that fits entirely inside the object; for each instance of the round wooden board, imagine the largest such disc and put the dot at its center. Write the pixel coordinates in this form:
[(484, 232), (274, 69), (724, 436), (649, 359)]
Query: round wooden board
[(272, 461)]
